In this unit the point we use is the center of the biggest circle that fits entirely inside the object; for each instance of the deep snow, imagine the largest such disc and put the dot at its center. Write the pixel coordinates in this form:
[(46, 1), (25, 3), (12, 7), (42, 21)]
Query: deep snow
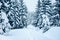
[(32, 33), (53, 33)]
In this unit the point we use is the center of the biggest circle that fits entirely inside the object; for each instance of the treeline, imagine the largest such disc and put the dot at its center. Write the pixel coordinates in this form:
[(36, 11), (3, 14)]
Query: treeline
[(47, 14)]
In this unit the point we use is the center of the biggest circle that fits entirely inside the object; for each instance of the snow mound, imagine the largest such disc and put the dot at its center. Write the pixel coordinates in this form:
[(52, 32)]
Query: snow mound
[(53, 33)]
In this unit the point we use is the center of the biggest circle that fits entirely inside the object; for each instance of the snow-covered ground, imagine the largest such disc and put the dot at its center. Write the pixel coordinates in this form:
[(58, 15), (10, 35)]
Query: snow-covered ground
[(32, 33), (53, 33)]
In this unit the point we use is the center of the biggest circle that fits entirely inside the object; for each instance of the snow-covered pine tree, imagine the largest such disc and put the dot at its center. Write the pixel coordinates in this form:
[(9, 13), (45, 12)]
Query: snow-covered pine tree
[(58, 6), (38, 19), (22, 14), (57, 13), (46, 13), (17, 15), (12, 13), (43, 14), (5, 5), (1, 20), (4, 24)]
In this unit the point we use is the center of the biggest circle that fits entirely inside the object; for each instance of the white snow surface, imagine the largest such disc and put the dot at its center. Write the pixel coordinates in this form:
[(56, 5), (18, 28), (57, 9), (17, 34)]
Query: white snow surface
[(31, 33), (53, 33), (4, 16)]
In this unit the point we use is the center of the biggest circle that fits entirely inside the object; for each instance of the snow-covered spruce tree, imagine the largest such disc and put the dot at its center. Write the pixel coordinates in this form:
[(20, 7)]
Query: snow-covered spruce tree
[(38, 18), (5, 5), (56, 13), (17, 15), (46, 14), (22, 14), (43, 14), (9, 7), (4, 24), (12, 13)]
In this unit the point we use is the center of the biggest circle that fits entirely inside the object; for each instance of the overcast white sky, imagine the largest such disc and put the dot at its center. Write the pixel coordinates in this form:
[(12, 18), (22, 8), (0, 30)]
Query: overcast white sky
[(31, 4)]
